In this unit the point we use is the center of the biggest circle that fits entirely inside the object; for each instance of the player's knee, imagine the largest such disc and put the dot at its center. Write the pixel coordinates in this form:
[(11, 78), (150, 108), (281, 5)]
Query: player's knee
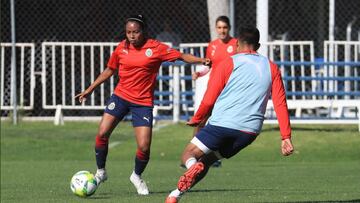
[(144, 149), (144, 146), (193, 150), (102, 132)]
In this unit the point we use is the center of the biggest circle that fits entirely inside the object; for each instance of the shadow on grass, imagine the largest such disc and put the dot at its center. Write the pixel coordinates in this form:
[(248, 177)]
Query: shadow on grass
[(160, 192), (313, 129), (324, 201), (100, 196), (237, 190), (209, 190), (216, 190), (205, 190)]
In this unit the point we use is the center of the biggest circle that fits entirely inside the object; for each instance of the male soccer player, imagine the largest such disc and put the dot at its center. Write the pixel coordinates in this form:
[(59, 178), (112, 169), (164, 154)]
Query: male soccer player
[(238, 93)]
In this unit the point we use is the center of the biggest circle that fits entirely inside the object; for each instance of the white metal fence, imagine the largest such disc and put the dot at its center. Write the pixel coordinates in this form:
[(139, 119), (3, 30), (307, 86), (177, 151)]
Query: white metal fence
[(25, 79), (295, 53), (69, 67), (187, 85), (345, 75)]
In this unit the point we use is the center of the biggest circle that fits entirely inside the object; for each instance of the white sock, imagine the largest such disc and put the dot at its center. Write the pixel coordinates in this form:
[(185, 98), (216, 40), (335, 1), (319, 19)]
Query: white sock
[(100, 170), (191, 161), (175, 193), (135, 175)]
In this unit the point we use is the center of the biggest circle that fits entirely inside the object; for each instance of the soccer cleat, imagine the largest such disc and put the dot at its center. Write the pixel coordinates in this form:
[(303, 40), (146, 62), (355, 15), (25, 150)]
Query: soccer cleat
[(139, 184), (188, 179), (101, 176), (171, 199)]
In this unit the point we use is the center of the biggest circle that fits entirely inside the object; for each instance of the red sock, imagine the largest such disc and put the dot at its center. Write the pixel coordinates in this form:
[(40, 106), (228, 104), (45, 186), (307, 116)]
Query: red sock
[(141, 161), (101, 150)]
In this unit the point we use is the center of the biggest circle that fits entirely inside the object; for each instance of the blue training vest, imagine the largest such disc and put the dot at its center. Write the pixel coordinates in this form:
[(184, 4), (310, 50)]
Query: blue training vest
[(242, 103)]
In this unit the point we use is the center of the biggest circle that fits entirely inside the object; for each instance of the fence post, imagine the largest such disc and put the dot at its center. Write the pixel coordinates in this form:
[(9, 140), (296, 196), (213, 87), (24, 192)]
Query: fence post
[(13, 62), (59, 118), (176, 92)]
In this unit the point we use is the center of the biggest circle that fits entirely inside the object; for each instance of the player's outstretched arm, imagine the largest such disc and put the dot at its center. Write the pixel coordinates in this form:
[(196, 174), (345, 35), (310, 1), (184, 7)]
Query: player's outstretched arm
[(286, 147), (188, 58), (107, 73)]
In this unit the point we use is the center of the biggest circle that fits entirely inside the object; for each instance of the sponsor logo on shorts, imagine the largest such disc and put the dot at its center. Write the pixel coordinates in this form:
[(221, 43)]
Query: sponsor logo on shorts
[(147, 119), (148, 52), (111, 106)]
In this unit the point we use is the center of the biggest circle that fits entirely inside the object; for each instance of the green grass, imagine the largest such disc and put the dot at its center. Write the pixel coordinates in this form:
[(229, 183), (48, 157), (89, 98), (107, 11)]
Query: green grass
[(38, 160)]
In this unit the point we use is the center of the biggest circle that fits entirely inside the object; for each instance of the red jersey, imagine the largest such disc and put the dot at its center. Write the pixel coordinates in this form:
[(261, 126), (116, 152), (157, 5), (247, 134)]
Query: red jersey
[(217, 50), (138, 68)]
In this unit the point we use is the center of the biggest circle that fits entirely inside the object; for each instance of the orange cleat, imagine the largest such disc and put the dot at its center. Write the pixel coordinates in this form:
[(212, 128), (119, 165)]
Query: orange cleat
[(171, 199), (188, 179)]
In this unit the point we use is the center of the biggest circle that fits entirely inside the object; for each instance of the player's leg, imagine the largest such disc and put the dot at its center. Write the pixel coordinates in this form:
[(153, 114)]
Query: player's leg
[(190, 158), (217, 163), (113, 113), (238, 140), (197, 157), (142, 122), (107, 124), (196, 130), (143, 139), (230, 144), (197, 171)]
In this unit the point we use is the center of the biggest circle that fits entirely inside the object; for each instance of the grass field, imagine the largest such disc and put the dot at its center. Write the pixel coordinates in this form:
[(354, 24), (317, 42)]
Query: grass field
[(38, 160)]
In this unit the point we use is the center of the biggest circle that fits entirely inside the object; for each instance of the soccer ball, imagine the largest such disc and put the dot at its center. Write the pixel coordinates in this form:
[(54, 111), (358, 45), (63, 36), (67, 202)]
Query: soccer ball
[(83, 184)]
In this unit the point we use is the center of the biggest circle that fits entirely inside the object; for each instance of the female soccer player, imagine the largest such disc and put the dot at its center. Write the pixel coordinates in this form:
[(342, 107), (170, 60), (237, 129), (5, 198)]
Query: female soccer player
[(137, 59), (218, 50)]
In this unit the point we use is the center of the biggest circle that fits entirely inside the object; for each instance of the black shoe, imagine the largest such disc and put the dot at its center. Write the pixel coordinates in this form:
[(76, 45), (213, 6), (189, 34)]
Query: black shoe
[(217, 164), (182, 166)]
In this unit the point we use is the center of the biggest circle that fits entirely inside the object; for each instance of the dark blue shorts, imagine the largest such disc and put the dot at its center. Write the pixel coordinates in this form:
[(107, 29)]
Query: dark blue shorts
[(226, 141), (118, 107)]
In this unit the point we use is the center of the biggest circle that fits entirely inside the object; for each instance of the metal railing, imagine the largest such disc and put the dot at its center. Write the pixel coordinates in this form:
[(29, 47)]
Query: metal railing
[(69, 67), (349, 52), (25, 81)]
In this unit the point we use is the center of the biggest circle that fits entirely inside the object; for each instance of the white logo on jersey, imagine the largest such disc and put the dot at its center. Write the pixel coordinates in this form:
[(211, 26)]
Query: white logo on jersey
[(111, 106), (125, 51), (148, 52), (230, 49), (147, 119)]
